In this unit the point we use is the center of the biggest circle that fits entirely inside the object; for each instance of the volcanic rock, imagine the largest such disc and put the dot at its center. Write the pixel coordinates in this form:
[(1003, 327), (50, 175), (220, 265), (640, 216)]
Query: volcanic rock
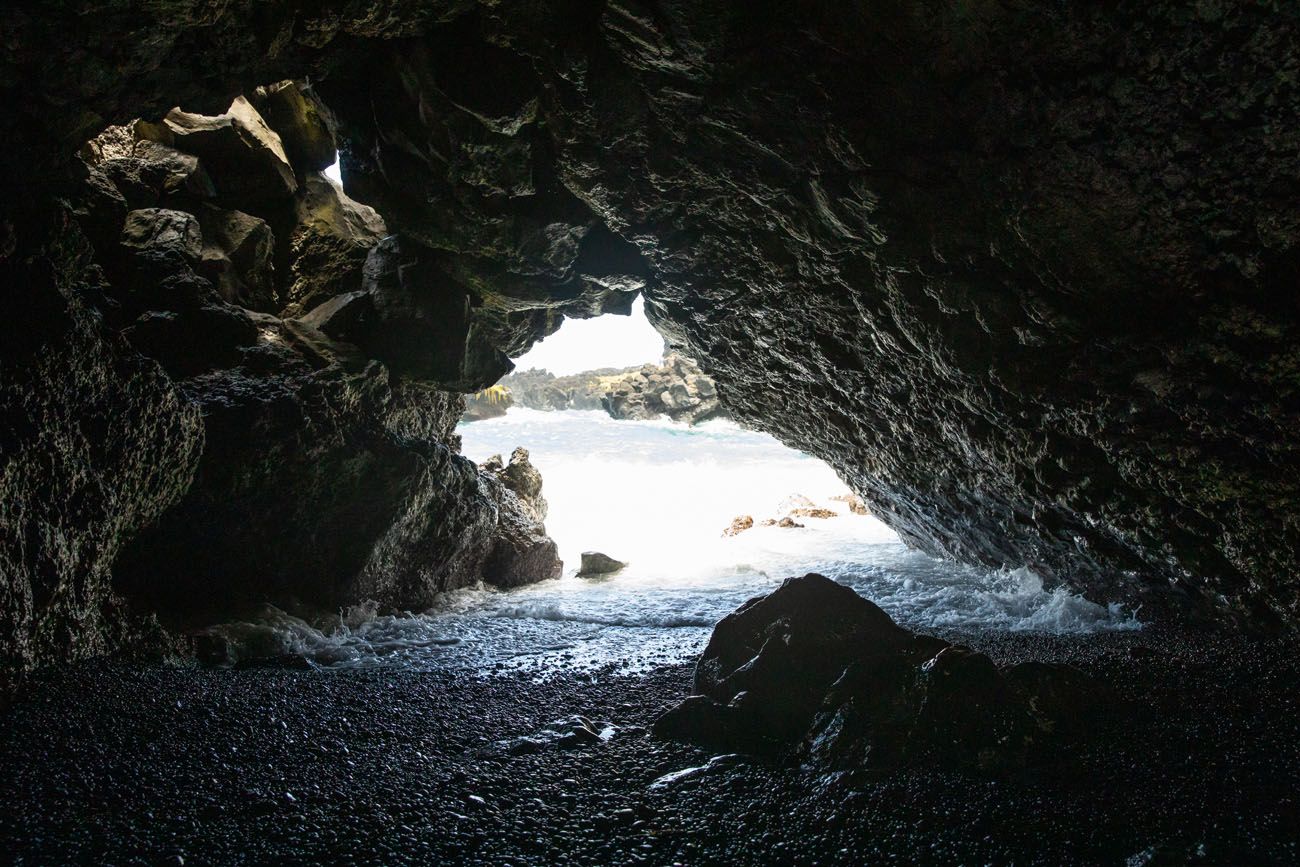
[(812, 513), (677, 389), (596, 563), (331, 237), (816, 669)]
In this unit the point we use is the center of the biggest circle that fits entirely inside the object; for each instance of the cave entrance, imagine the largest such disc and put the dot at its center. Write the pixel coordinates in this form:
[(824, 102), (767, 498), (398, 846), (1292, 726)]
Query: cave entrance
[(641, 464)]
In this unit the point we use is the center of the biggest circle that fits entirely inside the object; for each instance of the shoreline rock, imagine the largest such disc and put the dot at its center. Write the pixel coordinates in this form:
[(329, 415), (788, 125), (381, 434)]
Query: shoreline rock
[(596, 563), (816, 670)]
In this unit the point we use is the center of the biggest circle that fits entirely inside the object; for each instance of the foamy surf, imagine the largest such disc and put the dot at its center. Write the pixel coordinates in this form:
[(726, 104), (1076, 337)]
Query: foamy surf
[(658, 495)]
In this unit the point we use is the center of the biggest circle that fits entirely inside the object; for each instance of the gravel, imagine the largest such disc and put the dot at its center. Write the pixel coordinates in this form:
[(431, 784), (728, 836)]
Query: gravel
[(119, 763)]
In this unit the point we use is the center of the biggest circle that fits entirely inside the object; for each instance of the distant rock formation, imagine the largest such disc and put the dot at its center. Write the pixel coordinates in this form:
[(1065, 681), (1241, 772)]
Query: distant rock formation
[(677, 388)]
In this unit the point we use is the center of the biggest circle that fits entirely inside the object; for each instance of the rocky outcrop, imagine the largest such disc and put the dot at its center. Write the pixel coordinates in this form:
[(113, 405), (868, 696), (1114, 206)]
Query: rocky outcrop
[(1020, 273), (595, 563), (676, 389), (815, 669), (180, 448), (521, 552)]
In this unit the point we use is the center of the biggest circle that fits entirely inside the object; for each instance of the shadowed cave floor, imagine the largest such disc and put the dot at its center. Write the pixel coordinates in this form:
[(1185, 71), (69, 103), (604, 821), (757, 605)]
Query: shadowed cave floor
[(119, 763)]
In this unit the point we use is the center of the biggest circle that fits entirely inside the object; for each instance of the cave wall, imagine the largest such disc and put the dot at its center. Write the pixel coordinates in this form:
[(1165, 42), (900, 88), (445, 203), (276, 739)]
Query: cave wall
[(1023, 274)]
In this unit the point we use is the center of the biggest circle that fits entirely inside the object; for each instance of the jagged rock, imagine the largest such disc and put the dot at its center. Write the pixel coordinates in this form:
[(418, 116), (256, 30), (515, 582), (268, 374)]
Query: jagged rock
[(520, 477), (148, 172), (739, 525), (816, 669), (328, 245), (238, 256), (412, 317), (296, 114), (486, 404), (522, 552), (789, 523), (677, 389), (907, 262), (242, 154), (596, 563), (543, 390)]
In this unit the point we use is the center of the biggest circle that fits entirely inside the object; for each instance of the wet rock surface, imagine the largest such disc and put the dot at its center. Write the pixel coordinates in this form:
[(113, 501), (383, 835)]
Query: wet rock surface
[(112, 763)]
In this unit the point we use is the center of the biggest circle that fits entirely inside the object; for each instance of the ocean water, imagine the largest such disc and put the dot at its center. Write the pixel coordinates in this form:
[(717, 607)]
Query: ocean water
[(658, 495)]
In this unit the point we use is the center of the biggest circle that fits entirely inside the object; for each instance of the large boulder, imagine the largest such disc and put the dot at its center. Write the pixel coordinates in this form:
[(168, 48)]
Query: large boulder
[(815, 669), (243, 155)]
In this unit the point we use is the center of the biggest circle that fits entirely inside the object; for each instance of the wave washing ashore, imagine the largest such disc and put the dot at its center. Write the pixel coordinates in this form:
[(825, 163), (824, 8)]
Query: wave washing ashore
[(658, 495)]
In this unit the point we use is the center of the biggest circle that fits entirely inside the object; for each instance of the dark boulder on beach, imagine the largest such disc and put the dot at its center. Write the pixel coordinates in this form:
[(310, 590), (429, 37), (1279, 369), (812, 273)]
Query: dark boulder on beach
[(816, 670)]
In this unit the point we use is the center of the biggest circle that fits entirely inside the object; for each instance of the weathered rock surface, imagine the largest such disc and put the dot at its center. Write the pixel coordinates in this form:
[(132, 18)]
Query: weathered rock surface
[(243, 155), (814, 668), (328, 245), (254, 459), (543, 390), (298, 117), (489, 403), (596, 563)]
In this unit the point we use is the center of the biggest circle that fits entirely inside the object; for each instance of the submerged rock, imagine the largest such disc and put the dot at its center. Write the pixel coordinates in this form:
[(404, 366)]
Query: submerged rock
[(596, 563), (815, 669)]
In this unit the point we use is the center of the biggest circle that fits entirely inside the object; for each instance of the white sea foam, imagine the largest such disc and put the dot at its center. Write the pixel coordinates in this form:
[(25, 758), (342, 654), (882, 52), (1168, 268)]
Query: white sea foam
[(658, 495)]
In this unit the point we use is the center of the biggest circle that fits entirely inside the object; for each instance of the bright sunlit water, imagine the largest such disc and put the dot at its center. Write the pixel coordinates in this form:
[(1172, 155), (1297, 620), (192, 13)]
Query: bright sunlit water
[(658, 495)]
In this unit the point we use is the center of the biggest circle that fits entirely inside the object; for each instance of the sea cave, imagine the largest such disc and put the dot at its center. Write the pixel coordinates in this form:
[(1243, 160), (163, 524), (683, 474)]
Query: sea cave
[(626, 431)]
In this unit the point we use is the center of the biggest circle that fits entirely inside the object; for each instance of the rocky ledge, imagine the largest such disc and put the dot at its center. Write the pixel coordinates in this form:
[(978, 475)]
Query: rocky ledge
[(814, 669)]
